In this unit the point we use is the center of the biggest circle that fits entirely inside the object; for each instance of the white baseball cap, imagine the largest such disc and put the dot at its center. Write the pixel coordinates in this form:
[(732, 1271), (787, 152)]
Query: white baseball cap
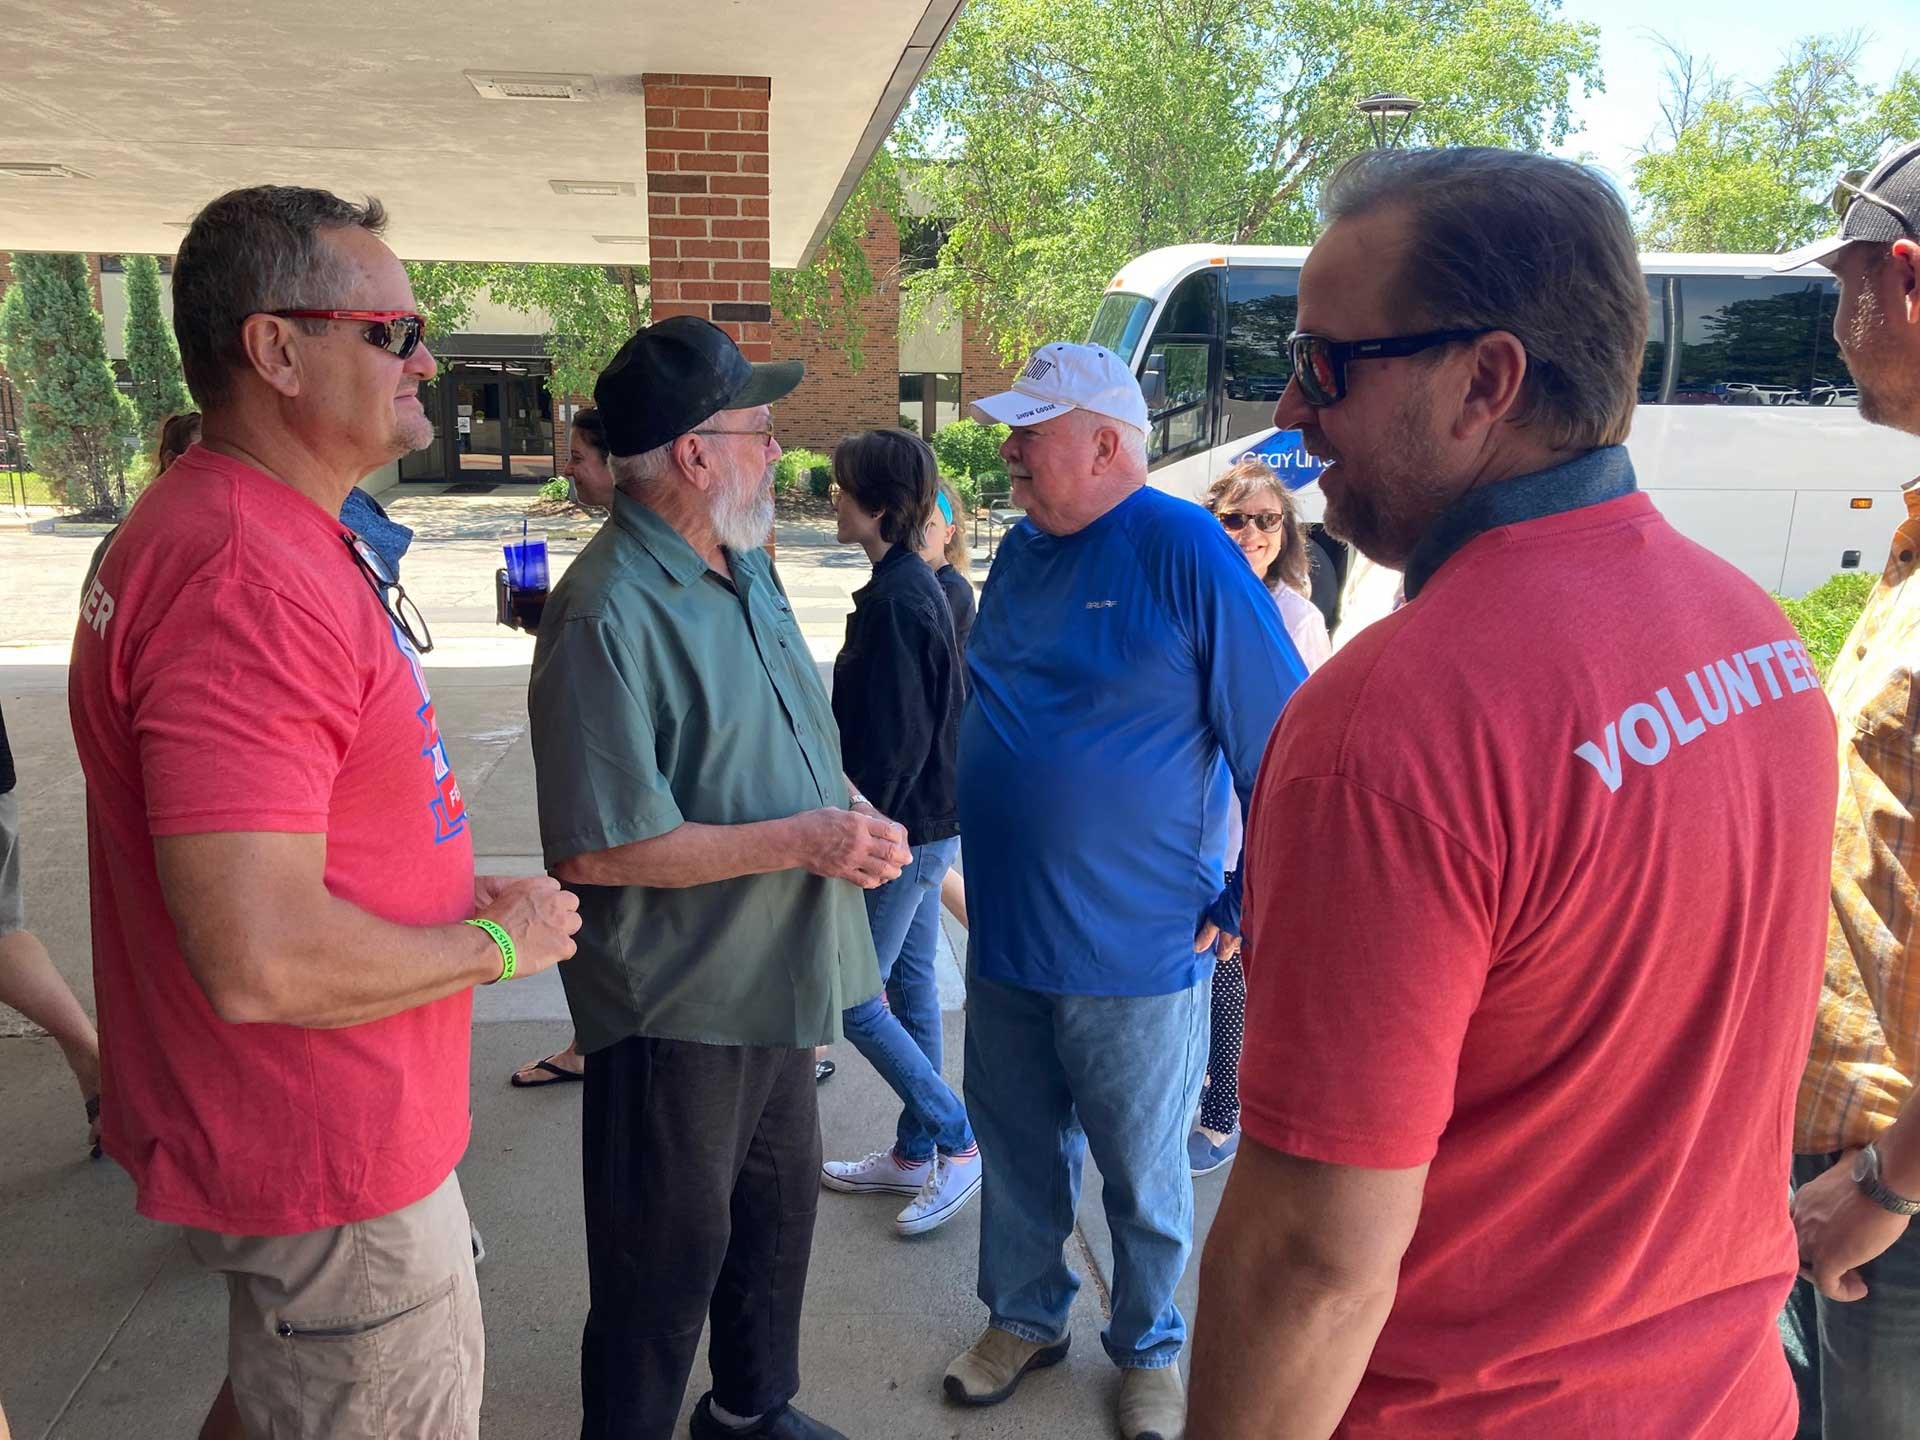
[(1063, 377)]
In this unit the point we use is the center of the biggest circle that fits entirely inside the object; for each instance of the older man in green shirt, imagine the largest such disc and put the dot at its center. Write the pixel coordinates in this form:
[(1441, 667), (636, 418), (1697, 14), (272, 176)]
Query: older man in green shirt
[(691, 791)]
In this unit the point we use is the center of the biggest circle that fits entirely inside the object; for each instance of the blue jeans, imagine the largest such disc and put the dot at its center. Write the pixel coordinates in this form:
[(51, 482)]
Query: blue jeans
[(1857, 1364), (1047, 1077), (903, 1042)]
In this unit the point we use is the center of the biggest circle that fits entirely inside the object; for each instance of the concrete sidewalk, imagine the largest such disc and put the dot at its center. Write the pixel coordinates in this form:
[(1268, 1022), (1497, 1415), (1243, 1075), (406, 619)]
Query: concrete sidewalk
[(448, 572), (114, 1334)]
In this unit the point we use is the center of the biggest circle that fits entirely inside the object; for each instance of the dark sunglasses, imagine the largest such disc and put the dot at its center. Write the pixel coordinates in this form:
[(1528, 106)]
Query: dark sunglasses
[(1238, 520), (1848, 191), (1320, 364), (394, 600), (398, 332)]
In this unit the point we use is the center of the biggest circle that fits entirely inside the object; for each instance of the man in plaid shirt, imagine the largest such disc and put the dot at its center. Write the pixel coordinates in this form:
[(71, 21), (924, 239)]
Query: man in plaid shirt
[(1853, 1324)]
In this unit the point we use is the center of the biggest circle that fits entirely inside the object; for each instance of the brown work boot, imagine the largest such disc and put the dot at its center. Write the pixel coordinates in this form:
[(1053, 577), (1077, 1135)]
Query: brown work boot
[(991, 1370), (1153, 1404)]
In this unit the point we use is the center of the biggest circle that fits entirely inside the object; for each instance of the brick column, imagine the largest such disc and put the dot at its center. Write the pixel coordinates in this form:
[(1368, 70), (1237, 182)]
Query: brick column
[(707, 215)]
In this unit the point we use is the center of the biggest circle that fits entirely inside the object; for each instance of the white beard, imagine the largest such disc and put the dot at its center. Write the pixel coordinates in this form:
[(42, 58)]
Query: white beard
[(743, 520)]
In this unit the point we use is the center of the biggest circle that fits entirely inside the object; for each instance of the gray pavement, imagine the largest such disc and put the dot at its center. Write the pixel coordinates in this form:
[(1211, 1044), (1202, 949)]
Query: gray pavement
[(113, 1334)]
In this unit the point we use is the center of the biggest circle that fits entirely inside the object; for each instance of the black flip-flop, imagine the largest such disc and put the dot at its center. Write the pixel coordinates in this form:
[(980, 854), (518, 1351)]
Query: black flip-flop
[(823, 1071), (556, 1075), (93, 1115)]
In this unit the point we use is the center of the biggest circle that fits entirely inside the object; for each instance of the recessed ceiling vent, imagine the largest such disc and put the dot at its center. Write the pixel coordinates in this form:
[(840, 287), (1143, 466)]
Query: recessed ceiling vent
[(592, 187), (531, 85), (620, 239), (40, 170)]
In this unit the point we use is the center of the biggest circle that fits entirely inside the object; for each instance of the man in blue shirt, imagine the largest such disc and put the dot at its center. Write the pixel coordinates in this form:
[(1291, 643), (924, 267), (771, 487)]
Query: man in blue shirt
[(1123, 652)]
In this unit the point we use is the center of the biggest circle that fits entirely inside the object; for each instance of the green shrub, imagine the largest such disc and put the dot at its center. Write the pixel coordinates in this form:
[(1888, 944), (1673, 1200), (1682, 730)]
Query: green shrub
[(791, 470), (966, 447), (967, 488), (1825, 616), (554, 489), (820, 481)]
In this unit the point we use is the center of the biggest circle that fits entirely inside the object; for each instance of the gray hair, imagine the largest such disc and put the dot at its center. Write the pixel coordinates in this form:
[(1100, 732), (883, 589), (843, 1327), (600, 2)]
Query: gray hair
[(638, 472), (251, 251), (1539, 247), (1133, 440)]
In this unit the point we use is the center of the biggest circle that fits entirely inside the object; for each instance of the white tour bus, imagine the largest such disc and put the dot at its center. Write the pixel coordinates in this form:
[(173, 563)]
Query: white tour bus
[(1748, 434)]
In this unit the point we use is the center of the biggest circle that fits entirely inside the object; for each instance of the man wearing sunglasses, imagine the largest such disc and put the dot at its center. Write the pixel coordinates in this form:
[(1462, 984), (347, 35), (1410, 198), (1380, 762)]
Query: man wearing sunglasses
[(1853, 1324), (1536, 876), (689, 783), (286, 924)]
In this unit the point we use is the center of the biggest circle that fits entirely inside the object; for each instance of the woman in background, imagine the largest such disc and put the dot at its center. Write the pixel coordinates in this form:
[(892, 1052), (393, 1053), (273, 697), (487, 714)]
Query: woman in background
[(1257, 511), (944, 547), (589, 484), (896, 698)]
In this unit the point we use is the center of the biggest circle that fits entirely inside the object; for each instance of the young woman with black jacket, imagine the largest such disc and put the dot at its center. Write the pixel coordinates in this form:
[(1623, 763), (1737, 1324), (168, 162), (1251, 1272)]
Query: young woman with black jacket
[(897, 691)]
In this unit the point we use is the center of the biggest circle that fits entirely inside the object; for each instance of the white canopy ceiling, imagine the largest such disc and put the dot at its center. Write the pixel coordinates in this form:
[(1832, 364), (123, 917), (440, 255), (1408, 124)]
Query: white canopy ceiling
[(156, 106)]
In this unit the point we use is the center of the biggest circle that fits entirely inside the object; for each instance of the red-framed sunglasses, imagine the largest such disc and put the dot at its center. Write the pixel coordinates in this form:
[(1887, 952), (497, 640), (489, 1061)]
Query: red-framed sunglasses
[(398, 332)]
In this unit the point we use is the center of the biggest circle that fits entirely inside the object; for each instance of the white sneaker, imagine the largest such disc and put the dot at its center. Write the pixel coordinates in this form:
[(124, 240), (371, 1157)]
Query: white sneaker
[(881, 1173), (955, 1180)]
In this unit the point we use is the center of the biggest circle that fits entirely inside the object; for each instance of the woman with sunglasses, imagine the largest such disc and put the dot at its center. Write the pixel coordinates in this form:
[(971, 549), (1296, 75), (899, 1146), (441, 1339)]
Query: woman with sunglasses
[(897, 698), (1258, 512)]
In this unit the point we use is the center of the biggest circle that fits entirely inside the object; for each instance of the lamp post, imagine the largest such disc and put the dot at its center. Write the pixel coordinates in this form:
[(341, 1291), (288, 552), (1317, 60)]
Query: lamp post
[(1387, 117)]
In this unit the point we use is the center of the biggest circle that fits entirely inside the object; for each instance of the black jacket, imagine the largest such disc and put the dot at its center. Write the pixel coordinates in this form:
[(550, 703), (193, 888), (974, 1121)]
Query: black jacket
[(897, 697), (959, 593)]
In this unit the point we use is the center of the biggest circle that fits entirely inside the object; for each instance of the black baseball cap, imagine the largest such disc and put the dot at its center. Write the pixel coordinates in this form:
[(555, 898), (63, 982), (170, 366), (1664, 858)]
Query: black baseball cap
[(671, 376), (1868, 209)]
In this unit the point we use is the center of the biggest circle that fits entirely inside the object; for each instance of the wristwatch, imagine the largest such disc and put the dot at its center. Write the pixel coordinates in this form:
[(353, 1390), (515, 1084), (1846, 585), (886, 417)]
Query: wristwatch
[(1866, 1174)]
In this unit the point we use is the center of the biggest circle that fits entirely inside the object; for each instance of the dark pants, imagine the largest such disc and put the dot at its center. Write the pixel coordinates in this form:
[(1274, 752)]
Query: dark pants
[(1857, 1363), (1220, 1101), (702, 1173)]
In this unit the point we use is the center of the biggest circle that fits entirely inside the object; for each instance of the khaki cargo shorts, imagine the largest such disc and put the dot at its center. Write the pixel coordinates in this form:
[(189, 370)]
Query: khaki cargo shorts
[(369, 1331)]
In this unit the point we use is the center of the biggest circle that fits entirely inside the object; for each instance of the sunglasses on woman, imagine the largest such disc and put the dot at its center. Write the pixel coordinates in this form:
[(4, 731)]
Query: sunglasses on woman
[(1320, 364), (1266, 522), (398, 332)]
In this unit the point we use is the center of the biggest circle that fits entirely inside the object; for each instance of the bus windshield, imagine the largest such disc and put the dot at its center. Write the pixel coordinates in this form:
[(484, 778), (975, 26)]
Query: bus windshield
[(1120, 322)]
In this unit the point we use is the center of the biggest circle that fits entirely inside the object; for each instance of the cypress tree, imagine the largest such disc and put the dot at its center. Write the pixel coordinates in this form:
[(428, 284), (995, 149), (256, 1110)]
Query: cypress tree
[(153, 360), (74, 423)]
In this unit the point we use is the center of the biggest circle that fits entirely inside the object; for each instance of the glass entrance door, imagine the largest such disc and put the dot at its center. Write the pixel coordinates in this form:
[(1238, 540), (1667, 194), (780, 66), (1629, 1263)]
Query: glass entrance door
[(528, 427), (478, 403)]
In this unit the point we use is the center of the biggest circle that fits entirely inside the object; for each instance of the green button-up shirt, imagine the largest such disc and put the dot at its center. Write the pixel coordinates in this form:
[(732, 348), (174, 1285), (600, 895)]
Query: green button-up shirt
[(662, 694)]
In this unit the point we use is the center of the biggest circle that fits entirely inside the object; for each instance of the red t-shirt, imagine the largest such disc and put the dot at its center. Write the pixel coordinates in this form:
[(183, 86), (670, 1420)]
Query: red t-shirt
[(1537, 893), (234, 671)]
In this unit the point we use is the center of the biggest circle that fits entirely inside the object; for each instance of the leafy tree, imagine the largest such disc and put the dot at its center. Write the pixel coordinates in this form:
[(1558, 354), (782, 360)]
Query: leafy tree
[(591, 309), (153, 359), (77, 428), (1752, 168), (967, 449), (1063, 137)]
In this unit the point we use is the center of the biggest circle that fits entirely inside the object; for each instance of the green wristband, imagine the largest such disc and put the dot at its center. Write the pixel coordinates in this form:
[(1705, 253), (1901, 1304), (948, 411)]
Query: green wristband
[(505, 942)]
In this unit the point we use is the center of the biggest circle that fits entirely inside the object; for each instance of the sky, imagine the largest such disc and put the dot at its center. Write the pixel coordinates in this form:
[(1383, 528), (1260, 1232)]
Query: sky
[(1745, 40)]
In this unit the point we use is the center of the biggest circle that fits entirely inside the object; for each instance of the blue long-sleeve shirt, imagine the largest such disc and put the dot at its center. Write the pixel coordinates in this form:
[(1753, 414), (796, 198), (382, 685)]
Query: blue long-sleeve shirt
[(1112, 670)]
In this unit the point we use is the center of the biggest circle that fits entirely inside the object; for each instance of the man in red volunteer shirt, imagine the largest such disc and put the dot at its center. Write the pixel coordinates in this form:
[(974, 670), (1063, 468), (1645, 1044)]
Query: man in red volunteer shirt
[(280, 856), (1537, 877)]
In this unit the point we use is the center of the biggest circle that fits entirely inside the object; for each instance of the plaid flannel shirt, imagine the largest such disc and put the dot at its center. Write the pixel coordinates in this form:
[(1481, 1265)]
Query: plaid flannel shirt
[(1866, 1038)]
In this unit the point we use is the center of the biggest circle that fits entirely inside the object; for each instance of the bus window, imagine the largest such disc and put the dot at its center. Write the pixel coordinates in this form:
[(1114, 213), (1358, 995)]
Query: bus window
[(1262, 306), (1119, 322), (1178, 372), (1754, 341), (1653, 362), (1832, 380)]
